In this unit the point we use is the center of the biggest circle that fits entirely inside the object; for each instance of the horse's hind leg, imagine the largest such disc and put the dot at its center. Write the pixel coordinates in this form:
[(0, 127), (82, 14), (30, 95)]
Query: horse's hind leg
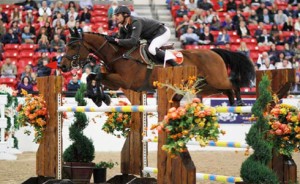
[(239, 101), (230, 96)]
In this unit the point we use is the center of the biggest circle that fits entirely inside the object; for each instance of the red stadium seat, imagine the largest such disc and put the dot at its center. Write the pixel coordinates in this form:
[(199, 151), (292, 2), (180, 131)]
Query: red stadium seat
[(11, 54), (36, 26), (27, 54), (20, 70), (279, 47), (280, 26), (254, 55), (268, 27), (231, 13), (26, 61), (215, 33), (252, 47), (281, 7), (9, 82), (178, 20), (187, 47), (101, 7), (287, 34), (99, 19), (96, 13), (97, 25), (174, 9), (252, 26), (191, 13), (7, 6), (264, 48), (249, 40), (246, 14), (11, 47), (235, 40), (28, 47), (234, 47)]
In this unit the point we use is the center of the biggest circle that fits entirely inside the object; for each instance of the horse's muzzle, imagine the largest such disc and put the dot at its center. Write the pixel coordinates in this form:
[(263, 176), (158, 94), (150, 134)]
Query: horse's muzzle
[(63, 68)]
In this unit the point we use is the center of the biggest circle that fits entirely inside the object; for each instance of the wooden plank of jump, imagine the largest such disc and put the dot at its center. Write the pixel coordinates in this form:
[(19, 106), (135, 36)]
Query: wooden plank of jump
[(132, 151), (180, 169), (46, 157), (281, 80)]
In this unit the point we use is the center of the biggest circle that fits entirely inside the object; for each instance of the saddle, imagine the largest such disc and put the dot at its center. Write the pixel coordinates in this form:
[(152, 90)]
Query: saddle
[(150, 59), (147, 58)]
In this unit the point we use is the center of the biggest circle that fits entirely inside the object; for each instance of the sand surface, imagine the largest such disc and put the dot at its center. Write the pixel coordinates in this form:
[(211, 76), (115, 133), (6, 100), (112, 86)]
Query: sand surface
[(216, 162)]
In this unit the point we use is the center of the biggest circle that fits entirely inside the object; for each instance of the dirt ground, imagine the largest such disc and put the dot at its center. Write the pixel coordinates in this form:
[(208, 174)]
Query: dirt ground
[(215, 162)]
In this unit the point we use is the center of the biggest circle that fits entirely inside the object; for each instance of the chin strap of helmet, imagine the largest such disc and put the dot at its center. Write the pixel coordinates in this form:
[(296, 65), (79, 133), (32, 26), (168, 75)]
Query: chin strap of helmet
[(125, 15)]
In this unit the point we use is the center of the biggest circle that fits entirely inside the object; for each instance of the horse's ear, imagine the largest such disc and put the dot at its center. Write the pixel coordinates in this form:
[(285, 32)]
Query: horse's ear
[(72, 32), (77, 35)]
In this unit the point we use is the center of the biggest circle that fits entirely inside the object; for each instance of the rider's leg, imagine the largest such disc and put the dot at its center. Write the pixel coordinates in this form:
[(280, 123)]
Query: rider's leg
[(159, 41), (160, 55)]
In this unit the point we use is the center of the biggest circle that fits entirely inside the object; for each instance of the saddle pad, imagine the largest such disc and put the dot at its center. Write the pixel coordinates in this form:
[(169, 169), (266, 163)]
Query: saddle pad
[(176, 55)]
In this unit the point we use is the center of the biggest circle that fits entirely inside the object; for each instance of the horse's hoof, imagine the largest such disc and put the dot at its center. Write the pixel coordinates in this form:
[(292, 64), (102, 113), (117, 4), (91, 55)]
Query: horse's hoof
[(240, 103), (177, 97), (99, 102), (106, 99)]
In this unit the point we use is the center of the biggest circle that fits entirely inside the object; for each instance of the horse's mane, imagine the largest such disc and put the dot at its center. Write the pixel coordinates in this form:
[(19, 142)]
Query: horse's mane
[(80, 37), (99, 34)]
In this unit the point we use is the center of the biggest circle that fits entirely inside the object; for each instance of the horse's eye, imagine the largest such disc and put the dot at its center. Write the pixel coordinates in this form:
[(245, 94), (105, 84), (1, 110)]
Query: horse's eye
[(73, 46)]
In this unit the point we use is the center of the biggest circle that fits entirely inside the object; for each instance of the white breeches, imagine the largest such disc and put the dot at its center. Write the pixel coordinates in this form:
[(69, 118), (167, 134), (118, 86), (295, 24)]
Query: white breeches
[(159, 41)]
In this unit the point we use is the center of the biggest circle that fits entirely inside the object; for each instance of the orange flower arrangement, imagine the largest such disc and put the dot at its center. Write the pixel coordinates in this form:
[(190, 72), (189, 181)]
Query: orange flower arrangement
[(284, 128), (192, 121), (33, 112), (118, 123)]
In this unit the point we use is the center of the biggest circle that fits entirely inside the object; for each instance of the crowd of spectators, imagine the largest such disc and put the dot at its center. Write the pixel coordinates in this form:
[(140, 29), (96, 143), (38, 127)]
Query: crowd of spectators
[(265, 31), (44, 25)]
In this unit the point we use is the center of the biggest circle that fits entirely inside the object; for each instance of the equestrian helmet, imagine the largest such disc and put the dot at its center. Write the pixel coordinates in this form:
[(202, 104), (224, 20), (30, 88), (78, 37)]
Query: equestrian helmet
[(123, 10)]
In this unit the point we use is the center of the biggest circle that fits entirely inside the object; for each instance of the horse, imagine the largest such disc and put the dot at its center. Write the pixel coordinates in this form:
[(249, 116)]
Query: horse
[(223, 71)]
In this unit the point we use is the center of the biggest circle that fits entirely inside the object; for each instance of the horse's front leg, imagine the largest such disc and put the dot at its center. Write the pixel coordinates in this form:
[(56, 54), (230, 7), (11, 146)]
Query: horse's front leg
[(113, 81)]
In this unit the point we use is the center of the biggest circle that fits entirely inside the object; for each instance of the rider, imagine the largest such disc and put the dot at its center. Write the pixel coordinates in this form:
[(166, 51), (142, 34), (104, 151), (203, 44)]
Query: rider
[(132, 29)]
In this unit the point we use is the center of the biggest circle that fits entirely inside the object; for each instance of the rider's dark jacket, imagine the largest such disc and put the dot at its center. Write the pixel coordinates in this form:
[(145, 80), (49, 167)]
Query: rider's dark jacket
[(139, 28)]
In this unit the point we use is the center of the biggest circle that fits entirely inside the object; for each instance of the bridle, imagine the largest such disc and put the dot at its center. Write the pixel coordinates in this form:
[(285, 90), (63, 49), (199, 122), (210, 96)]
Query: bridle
[(75, 63), (75, 59)]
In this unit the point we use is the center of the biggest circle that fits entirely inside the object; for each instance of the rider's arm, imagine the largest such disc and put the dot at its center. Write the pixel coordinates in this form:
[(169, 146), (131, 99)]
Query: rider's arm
[(134, 38)]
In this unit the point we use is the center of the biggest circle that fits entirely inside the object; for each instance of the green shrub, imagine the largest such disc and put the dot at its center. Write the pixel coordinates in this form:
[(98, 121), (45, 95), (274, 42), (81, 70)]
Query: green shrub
[(82, 149), (255, 169)]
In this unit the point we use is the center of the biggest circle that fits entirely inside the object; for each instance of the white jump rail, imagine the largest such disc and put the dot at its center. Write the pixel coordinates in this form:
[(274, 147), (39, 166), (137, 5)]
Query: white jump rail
[(203, 176)]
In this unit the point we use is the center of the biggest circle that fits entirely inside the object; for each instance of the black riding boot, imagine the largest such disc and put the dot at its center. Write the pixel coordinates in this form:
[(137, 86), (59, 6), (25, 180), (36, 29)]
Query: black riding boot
[(160, 55)]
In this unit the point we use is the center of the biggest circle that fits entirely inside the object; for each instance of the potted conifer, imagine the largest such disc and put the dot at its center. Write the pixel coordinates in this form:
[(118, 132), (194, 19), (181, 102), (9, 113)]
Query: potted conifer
[(100, 170), (78, 156)]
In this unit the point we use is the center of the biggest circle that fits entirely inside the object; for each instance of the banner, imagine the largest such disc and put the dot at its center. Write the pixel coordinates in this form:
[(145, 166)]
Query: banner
[(231, 118)]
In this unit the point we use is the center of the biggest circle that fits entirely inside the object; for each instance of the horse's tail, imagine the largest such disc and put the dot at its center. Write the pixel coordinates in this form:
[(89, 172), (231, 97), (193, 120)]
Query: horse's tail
[(242, 71)]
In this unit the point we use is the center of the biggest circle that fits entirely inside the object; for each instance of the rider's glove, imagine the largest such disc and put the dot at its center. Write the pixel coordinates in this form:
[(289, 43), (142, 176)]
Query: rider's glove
[(110, 39)]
